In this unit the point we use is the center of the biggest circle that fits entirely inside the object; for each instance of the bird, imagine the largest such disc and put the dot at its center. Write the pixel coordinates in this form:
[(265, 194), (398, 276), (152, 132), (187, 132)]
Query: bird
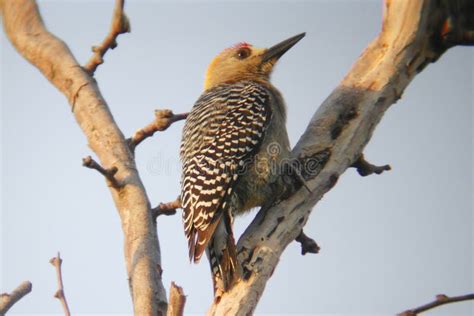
[(233, 143)]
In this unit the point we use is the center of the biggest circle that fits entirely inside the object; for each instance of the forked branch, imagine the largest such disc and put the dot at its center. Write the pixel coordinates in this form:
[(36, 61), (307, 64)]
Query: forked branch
[(27, 32), (411, 38)]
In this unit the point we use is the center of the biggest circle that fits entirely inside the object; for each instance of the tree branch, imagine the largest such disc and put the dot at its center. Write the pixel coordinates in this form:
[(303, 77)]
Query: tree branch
[(365, 168), (308, 245), (109, 173), (8, 300), (166, 208), (120, 24), (163, 120), (25, 29), (60, 295), (441, 299), (177, 301), (336, 136)]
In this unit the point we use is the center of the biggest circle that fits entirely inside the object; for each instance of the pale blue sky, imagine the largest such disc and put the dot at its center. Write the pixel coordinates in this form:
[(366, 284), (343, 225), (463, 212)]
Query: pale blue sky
[(387, 242)]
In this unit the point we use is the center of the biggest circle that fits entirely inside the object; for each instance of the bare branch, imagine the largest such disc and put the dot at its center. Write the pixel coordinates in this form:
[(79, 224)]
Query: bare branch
[(166, 208), (177, 301), (336, 136), (25, 29), (441, 299), (307, 244), (8, 300), (163, 120), (365, 168), (120, 24), (109, 173), (60, 295)]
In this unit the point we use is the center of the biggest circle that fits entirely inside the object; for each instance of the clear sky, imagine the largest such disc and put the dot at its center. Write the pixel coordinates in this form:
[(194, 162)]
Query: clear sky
[(388, 242)]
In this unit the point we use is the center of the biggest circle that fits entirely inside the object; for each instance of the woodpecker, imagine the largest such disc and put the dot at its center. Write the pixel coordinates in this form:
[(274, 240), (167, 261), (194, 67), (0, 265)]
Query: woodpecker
[(234, 140)]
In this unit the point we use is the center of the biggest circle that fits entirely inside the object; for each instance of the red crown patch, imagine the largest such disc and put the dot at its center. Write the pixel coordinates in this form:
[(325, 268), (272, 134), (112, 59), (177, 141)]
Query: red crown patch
[(240, 45)]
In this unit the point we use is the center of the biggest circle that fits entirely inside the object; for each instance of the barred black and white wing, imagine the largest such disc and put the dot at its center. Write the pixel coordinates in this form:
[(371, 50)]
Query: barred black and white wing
[(221, 135)]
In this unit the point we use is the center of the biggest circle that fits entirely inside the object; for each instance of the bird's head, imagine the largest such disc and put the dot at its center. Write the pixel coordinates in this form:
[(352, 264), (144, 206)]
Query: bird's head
[(246, 62)]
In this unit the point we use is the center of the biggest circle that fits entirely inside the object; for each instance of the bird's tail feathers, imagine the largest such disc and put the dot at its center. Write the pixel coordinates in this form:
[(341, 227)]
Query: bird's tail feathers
[(201, 241), (222, 254)]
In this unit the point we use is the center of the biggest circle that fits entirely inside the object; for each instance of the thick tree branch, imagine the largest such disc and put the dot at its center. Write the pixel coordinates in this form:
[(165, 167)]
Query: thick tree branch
[(120, 24), (163, 120), (441, 299), (7, 300), (25, 29), (177, 301), (365, 168), (410, 39), (60, 294)]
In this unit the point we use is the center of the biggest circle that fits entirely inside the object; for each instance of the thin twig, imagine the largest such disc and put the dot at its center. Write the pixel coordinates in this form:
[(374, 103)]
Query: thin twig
[(109, 173), (365, 168), (8, 300), (177, 300), (166, 208), (60, 295), (441, 299), (163, 120), (120, 24), (307, 244)]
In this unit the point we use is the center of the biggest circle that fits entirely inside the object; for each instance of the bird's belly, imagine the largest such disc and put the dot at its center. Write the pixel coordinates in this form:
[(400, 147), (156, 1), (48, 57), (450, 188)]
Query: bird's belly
[(256, 184)]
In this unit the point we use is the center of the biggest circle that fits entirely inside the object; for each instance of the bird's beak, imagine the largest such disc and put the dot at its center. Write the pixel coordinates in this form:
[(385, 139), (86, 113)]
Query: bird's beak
[(275, 52)]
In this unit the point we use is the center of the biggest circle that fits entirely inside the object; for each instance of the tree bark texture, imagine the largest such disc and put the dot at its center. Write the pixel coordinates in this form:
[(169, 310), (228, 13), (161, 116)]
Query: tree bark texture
[(25, 29), (414, 34)]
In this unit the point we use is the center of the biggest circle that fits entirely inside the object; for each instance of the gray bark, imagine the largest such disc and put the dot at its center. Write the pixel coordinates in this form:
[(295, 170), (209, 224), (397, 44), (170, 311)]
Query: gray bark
[(411, 37), (25, 29)]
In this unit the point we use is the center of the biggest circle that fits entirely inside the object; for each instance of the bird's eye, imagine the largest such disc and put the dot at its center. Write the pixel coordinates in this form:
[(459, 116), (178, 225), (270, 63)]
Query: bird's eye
[(243, 53)]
